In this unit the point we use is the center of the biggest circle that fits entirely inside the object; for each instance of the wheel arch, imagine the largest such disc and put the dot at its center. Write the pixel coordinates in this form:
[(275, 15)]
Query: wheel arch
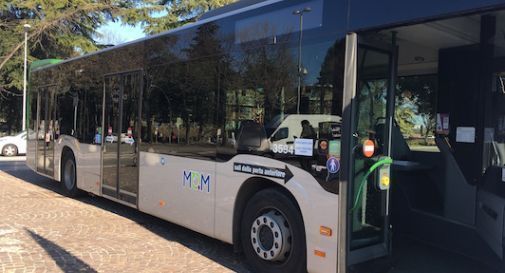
[(248, 189), (65, 151), (9, 144)]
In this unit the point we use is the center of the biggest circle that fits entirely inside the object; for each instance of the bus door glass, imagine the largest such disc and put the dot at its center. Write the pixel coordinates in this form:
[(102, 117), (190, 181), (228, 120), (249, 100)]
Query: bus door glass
[(110, 139), (367, 220), (46, 131), (120, 142)]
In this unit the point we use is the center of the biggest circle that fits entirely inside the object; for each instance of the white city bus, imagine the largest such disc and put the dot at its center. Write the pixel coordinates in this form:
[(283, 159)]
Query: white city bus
[(317, 135)]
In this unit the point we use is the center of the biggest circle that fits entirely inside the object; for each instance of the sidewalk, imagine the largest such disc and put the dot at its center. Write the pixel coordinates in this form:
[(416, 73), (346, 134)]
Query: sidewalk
[(43, 231)]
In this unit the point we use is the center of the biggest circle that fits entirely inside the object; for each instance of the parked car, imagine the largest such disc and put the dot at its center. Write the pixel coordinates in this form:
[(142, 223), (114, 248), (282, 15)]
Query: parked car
[(13, 145)]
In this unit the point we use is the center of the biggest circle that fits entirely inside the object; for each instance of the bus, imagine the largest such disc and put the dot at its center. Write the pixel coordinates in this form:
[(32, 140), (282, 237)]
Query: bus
[(312, 135)]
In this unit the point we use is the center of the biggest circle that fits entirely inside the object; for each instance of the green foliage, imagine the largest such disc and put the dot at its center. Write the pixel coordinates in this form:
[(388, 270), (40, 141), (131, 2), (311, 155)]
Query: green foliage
[(404, 116), (59, 29), (66, 28), (416, 101)]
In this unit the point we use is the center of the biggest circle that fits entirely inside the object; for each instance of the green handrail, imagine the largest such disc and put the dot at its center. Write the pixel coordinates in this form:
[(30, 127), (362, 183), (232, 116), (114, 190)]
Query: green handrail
[(383, 161)]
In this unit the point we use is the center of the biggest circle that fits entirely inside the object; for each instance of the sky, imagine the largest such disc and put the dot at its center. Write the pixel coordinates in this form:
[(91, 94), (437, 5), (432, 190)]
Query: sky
[(122, 32)]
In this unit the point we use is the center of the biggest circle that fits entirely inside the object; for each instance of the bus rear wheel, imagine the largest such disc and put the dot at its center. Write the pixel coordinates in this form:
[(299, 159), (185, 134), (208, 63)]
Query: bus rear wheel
[(272, 233), (69, 176)]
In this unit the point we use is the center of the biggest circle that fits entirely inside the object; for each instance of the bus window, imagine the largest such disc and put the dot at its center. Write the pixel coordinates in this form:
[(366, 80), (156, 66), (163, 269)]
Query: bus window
[(179, 112), (494, 132), (415, 111), (268, 114)]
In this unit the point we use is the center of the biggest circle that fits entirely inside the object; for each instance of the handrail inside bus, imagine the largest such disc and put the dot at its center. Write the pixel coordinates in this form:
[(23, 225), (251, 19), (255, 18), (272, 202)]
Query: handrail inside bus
[(381, 162)]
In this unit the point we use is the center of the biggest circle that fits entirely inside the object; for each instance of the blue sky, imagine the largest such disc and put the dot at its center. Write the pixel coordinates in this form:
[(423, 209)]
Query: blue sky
[(124, 33)]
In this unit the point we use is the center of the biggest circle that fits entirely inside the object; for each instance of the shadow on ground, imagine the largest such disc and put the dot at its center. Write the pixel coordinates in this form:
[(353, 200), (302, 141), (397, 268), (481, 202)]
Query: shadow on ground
[(215, 250), (64, 259)]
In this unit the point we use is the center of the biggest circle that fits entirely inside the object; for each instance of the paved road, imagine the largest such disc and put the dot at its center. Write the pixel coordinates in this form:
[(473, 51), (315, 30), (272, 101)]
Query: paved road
[(43, 231)]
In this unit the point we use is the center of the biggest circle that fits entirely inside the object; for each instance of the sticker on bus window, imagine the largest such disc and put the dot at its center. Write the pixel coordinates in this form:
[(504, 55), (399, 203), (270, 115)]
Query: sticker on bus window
[(333, 165), (283, 149), (442, 124), (368, 148), (334, 147)]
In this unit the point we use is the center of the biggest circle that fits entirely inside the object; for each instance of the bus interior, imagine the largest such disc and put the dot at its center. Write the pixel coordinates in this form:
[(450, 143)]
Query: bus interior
[(448, 144)]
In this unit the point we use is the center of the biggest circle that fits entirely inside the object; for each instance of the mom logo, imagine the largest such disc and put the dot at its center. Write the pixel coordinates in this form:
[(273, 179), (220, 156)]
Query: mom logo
[(196, 181)]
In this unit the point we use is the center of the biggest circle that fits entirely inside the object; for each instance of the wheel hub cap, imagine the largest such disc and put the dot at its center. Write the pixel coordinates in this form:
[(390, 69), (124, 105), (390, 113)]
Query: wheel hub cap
[(9, 150), (270, 236)]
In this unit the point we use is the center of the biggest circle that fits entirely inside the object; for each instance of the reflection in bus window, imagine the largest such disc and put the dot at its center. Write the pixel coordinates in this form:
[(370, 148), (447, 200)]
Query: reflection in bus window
[(494, 133), (415, 111), (219, 102), (179, 110)]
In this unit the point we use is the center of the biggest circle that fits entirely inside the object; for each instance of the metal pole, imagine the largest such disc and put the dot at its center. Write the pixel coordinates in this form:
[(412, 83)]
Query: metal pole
[(300, 64), (25, 76), (391, 92), (300, 13)]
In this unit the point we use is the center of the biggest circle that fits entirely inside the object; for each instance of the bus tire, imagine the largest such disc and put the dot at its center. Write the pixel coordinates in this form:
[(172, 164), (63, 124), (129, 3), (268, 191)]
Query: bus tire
[(69, 175), (272, 234)]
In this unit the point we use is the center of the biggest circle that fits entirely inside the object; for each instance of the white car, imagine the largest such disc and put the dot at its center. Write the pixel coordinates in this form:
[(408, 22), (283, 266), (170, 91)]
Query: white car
[(13, 145)]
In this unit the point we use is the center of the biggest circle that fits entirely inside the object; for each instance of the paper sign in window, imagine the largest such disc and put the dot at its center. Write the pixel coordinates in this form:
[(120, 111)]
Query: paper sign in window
[(465, 134), (304, 146)]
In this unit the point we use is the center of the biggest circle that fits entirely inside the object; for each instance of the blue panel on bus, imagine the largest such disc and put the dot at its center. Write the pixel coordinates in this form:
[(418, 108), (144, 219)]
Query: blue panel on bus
[(372, 14)]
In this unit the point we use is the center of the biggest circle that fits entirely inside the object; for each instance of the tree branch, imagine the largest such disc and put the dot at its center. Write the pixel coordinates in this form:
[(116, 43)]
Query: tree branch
[(46, 25)]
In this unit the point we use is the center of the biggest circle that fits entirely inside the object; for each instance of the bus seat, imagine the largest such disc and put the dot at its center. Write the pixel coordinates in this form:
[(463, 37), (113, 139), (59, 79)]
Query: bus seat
[(400, 148), (459, 194)]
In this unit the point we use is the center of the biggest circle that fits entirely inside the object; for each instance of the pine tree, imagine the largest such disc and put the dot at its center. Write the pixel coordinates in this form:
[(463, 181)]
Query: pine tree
[(169, 14), (60, 29), (66, 28)]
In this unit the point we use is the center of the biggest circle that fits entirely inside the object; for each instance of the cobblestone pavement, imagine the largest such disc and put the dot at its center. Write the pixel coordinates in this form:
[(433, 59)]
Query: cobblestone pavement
[(43, 231)]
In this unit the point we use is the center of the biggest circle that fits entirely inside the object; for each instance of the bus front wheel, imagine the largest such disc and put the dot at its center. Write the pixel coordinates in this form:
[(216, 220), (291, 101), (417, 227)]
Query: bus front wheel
[(272, 233), (69, 176)]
